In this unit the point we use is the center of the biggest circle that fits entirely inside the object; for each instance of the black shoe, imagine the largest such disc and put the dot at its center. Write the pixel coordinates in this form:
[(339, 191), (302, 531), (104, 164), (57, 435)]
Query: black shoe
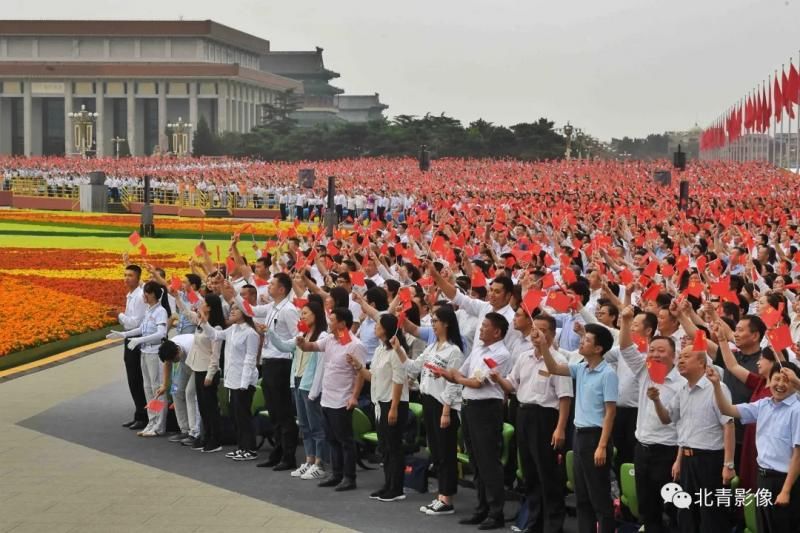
[(377, 494), (473, 520), (346, 484), (280, 467), (138, 426), (269, 464), (330, 482), (492, 523), (129, 424)]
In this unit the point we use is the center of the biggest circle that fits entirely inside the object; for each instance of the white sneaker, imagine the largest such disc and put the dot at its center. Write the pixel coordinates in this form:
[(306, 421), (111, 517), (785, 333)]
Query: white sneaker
[(424, 508), (300, 471), (314, 472)]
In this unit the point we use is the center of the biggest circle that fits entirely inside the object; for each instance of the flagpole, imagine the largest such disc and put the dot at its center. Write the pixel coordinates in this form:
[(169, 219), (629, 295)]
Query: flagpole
[(783, 108), (797, 154), (772, 112)]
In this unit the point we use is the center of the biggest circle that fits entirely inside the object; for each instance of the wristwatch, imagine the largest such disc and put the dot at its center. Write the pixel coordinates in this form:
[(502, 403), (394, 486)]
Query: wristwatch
[(731, 466)]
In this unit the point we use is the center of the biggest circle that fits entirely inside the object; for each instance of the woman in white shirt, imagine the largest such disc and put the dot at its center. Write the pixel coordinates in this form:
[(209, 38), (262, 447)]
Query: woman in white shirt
[(242, 343), (389, 391), (440, 399), (148, 337)]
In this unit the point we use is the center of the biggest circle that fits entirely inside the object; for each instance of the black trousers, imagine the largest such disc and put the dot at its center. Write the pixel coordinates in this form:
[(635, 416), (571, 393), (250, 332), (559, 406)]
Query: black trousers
[(391, 437), (544, 477), (298, 212), (483, 437), (133, 370), (773, 518), (510, 468), (381, 213), (442, 443), (339, 210), (339, 433), (284, 212), (624, 436), (653, 466), (278, 397), (241, 399), (702, 472), (592, 483), (209, 408)]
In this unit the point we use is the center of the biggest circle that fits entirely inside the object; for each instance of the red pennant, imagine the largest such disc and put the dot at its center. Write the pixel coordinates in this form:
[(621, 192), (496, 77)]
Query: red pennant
[(135, 238)]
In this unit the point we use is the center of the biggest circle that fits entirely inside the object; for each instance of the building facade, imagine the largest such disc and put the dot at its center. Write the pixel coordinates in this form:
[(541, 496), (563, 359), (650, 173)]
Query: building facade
[(137, 76)]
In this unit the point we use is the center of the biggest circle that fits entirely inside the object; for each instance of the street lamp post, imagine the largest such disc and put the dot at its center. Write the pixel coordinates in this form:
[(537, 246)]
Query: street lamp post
[(180, 136), (83, 127), (117, 141)]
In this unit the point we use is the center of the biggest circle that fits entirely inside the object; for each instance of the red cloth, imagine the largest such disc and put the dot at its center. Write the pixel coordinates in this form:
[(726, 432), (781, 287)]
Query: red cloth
[(748, 466)]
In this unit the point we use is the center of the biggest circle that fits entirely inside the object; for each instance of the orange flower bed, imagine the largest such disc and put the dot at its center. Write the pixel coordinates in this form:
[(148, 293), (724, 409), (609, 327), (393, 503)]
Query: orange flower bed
[(131, 222), (39, 315)]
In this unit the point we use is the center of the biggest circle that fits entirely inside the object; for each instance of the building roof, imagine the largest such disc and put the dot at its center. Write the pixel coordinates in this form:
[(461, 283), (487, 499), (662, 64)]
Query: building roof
[(136, 28), (350, 102), (297, 64), (26, 69)]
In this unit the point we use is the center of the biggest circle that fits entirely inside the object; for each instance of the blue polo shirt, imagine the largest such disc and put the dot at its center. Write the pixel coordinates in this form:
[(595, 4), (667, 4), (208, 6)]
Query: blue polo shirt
[(593, 388), (777, 432)]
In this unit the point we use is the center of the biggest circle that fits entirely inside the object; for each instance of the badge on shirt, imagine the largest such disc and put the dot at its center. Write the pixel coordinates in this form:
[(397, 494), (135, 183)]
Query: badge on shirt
[(544, 373)]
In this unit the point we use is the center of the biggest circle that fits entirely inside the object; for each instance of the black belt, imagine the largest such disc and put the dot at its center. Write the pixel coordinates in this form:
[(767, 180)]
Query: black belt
[(588, 430), (691, 452), (665, 447), (464, 401), (535, 406), (766, 472)]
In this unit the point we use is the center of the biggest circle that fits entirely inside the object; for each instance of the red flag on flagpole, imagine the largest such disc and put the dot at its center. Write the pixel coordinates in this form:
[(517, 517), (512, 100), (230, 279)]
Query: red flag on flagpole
[(786, 92)]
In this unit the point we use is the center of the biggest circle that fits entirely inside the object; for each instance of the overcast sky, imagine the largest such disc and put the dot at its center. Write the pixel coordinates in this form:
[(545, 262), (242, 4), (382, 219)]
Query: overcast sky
[(612, 67)]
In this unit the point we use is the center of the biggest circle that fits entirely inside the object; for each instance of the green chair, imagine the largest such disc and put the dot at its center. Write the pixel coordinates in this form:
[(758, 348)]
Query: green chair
[(750, 521), (520, 473), (362, 434), (508, 434), (258, 404), (571, 470), (224, 400), (416, 408), (628, 489)]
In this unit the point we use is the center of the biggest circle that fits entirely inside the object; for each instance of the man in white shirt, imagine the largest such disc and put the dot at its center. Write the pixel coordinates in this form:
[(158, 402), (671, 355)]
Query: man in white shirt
[(135, 308), (280, 316), (482, 409)]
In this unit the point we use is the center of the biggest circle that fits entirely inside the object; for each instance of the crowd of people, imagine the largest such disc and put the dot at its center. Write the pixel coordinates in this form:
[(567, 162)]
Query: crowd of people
[(573, 301)]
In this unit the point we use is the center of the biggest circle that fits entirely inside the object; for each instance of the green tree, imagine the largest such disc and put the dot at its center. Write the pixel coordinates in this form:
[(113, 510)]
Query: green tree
[(205, 142)]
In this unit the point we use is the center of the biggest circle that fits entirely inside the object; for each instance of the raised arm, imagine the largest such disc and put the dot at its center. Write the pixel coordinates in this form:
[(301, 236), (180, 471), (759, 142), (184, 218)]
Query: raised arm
[(553, 366), (724, 404)]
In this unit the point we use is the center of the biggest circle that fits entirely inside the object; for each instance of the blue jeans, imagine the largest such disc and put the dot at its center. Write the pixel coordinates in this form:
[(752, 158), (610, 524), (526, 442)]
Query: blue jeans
[(309, 420)]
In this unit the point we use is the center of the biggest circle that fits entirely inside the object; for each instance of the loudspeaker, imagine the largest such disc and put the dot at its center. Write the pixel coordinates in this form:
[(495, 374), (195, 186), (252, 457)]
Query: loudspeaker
[(330, 213), (679, 159), (97, 177), (683, 199), (662, 177), (147, 196), (424, 158), (306, 177)]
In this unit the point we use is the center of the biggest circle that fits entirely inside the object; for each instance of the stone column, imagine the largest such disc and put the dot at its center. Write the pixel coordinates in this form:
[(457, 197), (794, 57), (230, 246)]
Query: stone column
[(193, 115), (222, 108), (27, 116), (163, 142), (5, 126), (133, 147), (99, 124), (69, 138)]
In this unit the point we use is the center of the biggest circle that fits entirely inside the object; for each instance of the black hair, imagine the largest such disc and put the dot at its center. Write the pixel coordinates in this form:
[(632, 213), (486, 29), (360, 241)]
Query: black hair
[(756, 325), (506, 282), (602, 336), (194, 280), (447, 317), (284, 280), (135, 268), (389, 324), (650, 321), (551, 321), (216, 316), (343, 314), (340, 296), (669, 340), (581, 289), (168, 351), (498, 321), (320, 320), (377, 298)]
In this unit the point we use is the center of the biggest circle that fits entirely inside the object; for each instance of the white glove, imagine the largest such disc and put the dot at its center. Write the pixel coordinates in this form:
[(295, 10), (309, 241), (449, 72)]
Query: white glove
[(116, 335), (119, 318), (134, 342)]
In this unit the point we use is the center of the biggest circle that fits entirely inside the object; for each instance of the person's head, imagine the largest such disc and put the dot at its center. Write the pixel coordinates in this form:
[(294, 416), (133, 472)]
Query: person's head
[(391, 286), (341, 318), (169, 351), (343, 281), (596, 341), (691, 364), (371, 268), (749, 332), (133, 274), (249, 293), (262, 265), (607, 313), (645, 324), (152, 292), (386, 327), (779, 385), (595, 280), (522, 321), (377, 298), (339, 298), (212, 307), (314, 316), (500, 292), (662, 349), (280, 286), (192, 281), (547, 325), (238, 316), (667, 323), (579, 288), (765, 362), (493, 328), (445, 325)]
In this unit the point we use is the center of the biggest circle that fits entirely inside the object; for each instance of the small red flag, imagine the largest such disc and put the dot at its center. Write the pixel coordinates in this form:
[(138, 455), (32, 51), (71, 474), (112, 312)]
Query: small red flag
[(344, 336), (651, 293), (478, 279), (135, 238), (640, 342), (175, 283), (405, 294), (531, 301), (199, 250), (302, 327), (548, 280), (559, 301), (626, 276), (299, 302), (247, 308), (657, 371), (143, 250), (491, 363), (772, 316), (261, 283), (230, 264), (192, 297), (700, 344), (780, 337), (357, 278)]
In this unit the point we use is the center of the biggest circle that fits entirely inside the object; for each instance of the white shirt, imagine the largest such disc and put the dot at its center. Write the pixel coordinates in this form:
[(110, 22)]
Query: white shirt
[(281, 317), (480, 309), (338, 377), (153, 328), (444, 356), (241, 354), (697, 417), (628, 380), (135, 307), (387, 370), (475, 367), (534, 384)]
